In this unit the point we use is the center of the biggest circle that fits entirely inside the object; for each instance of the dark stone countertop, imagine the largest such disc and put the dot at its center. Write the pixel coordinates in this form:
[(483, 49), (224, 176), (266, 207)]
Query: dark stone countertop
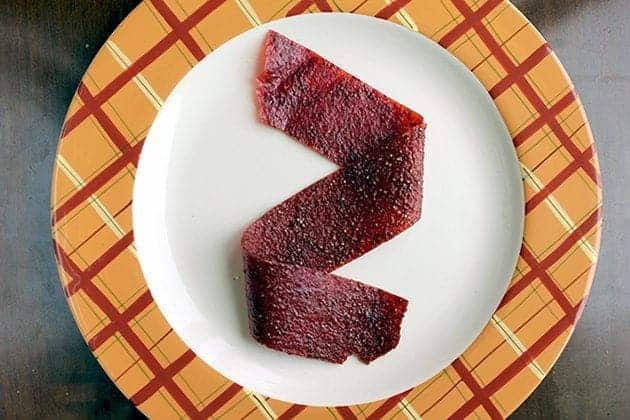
[(47, 371)]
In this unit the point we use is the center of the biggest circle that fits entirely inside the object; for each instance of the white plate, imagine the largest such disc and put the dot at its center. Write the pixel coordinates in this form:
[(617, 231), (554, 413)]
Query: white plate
[(209, 168)]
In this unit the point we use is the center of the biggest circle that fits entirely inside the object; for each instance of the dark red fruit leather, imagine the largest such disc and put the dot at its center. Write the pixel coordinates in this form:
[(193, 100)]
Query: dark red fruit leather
[(295, 304)]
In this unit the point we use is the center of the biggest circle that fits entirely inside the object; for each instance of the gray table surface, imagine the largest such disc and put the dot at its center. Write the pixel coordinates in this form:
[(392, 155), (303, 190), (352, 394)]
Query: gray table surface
[(47, 371)]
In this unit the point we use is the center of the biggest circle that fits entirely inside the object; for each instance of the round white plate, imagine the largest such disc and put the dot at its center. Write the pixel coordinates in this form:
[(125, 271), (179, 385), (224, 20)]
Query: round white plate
[(209, 168)]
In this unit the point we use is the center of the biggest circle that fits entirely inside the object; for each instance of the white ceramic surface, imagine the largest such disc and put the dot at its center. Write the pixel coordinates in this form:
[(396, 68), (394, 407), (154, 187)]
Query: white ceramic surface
[(209, 168)]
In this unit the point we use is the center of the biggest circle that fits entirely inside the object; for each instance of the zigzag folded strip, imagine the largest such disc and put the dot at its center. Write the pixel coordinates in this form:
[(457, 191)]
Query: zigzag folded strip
[(295, 304)]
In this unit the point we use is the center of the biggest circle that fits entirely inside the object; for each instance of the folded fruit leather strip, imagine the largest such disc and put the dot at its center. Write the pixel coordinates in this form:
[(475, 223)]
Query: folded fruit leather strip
[(295, 304)]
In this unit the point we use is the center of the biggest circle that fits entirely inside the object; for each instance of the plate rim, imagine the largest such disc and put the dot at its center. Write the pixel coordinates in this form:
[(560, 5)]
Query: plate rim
[(76, 275), (148, 213)]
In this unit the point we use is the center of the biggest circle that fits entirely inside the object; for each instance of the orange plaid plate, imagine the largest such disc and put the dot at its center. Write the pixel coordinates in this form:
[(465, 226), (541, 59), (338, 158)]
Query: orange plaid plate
[(120, 95)]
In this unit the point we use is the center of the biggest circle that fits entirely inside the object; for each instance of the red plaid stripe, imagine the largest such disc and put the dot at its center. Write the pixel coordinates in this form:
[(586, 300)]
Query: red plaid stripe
[(505, 41), (220, 401), (555, 149), (544, 118), (471, 19), (391, 9), (546, 280), (142, 62), (79, 277), (559, 179), (523, 323), (163, 377), (112, 131), (480, 395), (521, 362), (301, 7), (388, 405), (569, 242), (176, 25), (129, 155), (546, 115), (521, 70), (130, 313), (292, 411), (346, 413), (130, 337), (538, 270)]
